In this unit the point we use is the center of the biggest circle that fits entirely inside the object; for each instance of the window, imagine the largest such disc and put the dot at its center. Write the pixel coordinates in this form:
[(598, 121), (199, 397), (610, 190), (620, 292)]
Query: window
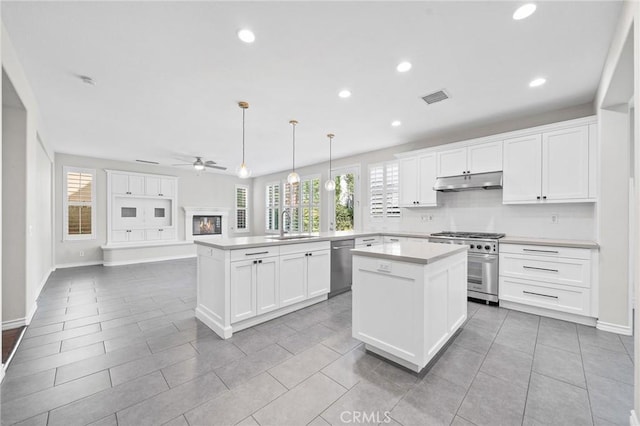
[(384, 191), (242, 220), (79, 203), (272, 207), (303, 200)]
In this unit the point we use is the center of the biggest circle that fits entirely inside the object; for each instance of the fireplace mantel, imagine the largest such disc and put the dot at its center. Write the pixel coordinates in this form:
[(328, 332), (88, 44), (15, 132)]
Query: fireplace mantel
[(190, 212)]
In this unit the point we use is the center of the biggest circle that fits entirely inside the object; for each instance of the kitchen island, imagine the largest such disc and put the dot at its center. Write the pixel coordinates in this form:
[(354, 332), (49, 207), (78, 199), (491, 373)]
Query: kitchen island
[(409, 299)]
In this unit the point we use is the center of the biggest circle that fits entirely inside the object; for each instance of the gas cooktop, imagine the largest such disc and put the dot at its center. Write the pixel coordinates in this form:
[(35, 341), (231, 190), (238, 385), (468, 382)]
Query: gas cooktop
[(472, 235)]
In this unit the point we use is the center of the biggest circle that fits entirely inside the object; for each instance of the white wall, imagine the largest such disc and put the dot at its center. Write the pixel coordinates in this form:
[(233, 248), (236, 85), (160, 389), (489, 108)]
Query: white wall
[(577, 221), (205, 190), (37, 266)]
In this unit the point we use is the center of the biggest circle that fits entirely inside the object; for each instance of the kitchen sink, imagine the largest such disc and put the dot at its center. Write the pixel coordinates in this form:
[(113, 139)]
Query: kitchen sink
[(290, 237)]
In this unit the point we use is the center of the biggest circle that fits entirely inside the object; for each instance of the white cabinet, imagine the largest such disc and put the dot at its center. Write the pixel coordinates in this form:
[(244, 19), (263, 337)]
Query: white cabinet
[(417, 177), (375, 240), (158, 186), (556, 279), (388, 239), (254, 288), (549, 167), (160, 234), (479, 158), (128, 235), (127, 184), (304, 275)]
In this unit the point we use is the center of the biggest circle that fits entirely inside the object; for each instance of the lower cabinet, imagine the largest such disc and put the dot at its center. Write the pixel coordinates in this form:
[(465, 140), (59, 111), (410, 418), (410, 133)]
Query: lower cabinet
[(255, 287), (127, 235), (318, 273), (304, 275)]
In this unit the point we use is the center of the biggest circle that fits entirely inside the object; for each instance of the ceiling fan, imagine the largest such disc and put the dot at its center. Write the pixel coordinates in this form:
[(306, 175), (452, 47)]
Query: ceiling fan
[(200, 165)]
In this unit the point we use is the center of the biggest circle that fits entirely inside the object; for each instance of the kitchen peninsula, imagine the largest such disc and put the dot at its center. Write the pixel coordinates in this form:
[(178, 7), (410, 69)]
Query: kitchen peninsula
[(409, 299)]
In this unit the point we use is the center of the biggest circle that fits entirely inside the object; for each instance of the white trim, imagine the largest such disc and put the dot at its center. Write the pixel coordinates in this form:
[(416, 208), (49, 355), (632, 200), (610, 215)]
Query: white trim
[(247, 228), (11, 324), (126, 246), (589, 321), (65, 204), (267, 206), (189, 212), (633, 419), (78, 264), (32, 312), (614, 328), (149, 260), (2, 372)]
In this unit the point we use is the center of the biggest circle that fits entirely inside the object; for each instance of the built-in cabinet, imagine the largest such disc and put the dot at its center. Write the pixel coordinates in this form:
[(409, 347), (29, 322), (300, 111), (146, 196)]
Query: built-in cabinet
[(551, 278), (550, 167), (141, 207), (306, 272), (255, 287), (417, 176), (478, 158)]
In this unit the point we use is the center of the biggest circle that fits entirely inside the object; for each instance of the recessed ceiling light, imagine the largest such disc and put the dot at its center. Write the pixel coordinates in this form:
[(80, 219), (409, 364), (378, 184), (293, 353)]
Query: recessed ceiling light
[(537, 82), (524, 11), (404, 66), (247, 36), (344, 93), (396, 123)]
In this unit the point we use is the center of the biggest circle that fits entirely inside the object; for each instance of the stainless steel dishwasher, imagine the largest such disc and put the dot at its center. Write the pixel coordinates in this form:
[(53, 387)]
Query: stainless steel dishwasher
[(341, 262)]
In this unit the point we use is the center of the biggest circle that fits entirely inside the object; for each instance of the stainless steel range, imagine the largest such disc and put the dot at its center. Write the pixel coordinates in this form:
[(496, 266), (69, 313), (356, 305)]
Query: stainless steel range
[(482, 275)]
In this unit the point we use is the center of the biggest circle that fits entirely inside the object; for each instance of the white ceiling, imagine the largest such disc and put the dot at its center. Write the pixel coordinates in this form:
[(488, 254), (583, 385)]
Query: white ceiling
[(169, 74)]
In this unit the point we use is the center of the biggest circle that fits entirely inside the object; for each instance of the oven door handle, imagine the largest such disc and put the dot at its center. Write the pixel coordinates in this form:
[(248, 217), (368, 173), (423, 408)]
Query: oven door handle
[(485, 258)]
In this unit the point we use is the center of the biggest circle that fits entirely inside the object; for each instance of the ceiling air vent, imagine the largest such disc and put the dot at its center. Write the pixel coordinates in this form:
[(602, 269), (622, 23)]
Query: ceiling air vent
[(147, 161), (434, 97)]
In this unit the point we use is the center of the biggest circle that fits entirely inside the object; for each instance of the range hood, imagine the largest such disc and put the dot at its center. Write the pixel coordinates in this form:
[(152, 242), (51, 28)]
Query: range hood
[(491, 180)]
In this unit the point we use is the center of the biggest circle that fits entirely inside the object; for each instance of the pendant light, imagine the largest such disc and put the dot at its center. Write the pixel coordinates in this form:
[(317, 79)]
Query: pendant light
[(330, 185), (293, 176), (243, 171)]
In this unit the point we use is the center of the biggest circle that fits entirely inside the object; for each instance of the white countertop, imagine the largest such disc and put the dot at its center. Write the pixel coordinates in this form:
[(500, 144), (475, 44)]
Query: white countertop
[(411, 252), (549, 242)]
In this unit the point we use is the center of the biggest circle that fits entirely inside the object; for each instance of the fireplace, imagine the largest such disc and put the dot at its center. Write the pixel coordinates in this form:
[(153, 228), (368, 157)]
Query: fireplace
[(205, 222), (207, 225)]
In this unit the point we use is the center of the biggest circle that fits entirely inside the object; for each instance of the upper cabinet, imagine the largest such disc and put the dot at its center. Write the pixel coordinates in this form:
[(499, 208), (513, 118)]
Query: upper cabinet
[(417, 177), (552, 167), (127, 184), (159, 186), (479, 158)]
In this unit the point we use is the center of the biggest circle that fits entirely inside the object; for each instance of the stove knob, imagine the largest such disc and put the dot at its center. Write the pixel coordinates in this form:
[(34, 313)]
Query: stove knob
[(478, 246), (487, 247), (471, 246)]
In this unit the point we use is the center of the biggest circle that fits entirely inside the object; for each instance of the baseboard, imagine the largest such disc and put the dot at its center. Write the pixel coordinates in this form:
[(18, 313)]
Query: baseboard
[(543, 312), (78, 264), (633, 419), (32, 312), (11, 324), (149, 260), (2, 373), (614, 328)]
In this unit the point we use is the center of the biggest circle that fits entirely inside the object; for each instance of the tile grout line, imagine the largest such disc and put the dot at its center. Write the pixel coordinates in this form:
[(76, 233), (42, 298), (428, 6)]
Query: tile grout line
[(533, 358), (584, 374)]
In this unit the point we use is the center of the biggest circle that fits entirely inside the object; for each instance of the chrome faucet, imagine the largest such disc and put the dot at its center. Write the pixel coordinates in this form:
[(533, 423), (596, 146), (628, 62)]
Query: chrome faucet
[(282, 224)]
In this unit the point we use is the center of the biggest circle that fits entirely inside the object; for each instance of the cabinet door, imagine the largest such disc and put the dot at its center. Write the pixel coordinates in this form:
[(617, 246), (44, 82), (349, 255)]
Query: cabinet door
[(153, 234), (168, 234), (152, 186), (167, 187), (136, 235), (486, 157), (427, 172), (243, 290), (119, 184), (408, 182), (293, 274), (565, 164), (119, 236), (452, 162), (522, 169), (267, 285), (136, 185), (318, 273)]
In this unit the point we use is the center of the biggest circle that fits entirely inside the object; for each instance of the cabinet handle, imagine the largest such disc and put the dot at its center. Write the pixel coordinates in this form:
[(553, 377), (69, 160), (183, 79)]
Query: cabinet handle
[(160, 230), (368, 245), (540, 269), (258, 252), (255, 261), (160, 195), (541, 251), (468, 171), (417, 202), (538, 197), (310, 254), (393, 239), (369, 239), (383, 270), (539, 294), (464, 173), (544, 197), (260, 261)]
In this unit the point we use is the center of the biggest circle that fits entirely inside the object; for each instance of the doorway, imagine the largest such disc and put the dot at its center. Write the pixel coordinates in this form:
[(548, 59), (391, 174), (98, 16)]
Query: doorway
[(344, 202)]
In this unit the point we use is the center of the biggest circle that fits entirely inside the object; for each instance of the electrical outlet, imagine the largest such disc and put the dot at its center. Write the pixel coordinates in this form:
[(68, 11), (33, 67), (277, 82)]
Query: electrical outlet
[(427, 218), (555, 218), (81, 253)]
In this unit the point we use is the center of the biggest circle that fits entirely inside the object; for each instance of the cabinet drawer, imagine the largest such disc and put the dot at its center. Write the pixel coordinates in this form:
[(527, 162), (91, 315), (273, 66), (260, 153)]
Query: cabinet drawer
[(573, 300), (254, 253), (551, 251), (563, 271), (305, 247), (363, 241), (387, 239)]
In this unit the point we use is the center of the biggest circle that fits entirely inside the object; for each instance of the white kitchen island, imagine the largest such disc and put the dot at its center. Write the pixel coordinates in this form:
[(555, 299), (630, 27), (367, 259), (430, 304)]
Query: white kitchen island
[(409, 299)]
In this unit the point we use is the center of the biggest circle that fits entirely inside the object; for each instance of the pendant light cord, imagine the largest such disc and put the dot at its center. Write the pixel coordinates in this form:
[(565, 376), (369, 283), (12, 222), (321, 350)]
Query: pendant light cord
[(293, 164), (330, 143), (243, 109)]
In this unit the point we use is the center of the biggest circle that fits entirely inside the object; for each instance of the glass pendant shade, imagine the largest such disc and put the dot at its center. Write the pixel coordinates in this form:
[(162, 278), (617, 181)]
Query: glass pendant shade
[(293, 178), (330, 185), (243, 172)]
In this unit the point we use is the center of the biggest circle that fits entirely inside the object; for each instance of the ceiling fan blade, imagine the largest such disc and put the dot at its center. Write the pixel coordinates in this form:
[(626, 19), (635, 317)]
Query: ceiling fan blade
[(210, 162), (183, 164), (215, 167)]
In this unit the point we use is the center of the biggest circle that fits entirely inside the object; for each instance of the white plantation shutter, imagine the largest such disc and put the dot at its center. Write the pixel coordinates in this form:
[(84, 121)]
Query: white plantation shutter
[(384, 191), (242, 221), (272, 207), (79, 203), (303, 200)]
